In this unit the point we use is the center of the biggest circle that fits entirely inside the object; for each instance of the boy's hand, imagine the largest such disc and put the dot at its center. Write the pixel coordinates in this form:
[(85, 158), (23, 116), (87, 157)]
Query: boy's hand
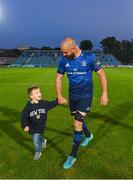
[(26, 129), (65, 102)]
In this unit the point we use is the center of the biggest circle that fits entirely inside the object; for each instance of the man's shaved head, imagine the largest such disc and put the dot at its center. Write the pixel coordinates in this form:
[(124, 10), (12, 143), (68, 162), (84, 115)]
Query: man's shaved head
[(68, 43), (69, 48)]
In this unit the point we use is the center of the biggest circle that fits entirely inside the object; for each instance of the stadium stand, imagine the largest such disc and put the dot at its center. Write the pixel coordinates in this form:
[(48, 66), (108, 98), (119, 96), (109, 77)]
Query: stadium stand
[(50, 58), (4, 61)]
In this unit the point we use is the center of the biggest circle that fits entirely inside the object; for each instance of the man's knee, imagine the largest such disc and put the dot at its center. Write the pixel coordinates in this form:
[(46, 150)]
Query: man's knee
[(78, 120), (77, 125)]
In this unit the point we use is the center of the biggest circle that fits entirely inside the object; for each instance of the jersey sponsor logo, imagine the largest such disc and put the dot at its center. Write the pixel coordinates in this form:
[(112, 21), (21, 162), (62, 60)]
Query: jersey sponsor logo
[(83, 63), (67, 65), (80, 73)]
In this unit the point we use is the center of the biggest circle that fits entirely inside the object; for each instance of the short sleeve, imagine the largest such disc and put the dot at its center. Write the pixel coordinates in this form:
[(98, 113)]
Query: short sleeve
[(96, 64), (61, 67)]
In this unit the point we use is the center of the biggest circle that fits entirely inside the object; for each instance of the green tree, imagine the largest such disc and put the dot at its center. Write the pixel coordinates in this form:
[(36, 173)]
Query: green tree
[(127, 51), (86, 45), (46, 48), (110, 45), (123, 50)]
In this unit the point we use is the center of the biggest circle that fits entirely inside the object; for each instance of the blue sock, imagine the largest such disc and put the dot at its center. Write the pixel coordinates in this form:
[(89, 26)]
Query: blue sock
[(76, 143), (85, 130)]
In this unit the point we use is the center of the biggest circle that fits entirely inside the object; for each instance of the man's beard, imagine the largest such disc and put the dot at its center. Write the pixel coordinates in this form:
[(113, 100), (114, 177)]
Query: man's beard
[(72, 56)]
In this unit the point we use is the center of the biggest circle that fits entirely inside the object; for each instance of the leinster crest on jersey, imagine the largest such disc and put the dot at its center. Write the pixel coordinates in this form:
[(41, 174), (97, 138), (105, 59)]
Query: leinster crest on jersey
[(83, 63)]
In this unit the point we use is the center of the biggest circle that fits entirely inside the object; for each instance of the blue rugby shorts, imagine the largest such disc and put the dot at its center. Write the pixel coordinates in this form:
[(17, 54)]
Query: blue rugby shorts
[(80, 104)]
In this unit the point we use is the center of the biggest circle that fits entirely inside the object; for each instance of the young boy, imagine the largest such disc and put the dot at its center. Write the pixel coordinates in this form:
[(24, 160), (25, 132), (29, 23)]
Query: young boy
[(34, 118)]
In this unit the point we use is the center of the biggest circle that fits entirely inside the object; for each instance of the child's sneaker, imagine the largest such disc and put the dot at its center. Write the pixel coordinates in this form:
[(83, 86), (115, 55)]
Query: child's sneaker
[(86, 141), (37, 155), (44, 144), (69, 162)]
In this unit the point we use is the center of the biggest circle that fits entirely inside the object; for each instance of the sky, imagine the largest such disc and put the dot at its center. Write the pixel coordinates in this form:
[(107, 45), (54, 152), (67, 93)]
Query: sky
[(40, 23)]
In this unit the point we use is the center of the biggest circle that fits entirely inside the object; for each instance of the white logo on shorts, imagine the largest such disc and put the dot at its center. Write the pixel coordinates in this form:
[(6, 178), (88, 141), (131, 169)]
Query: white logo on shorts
[(88, 109)]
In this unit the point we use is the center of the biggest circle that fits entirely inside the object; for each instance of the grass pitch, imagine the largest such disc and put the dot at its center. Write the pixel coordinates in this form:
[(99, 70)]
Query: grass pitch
[(109, 155)]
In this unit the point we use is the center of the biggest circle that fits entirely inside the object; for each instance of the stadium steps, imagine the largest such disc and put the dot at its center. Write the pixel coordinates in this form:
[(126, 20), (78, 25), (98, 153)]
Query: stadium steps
[(46, 59)]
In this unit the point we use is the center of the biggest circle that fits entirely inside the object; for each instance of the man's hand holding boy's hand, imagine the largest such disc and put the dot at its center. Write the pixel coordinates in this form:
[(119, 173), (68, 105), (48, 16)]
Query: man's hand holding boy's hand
[(62, 100)]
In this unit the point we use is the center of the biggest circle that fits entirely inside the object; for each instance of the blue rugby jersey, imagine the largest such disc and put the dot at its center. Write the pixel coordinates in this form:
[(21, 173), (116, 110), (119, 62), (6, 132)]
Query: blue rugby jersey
[(79, 72), (34, 115)]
